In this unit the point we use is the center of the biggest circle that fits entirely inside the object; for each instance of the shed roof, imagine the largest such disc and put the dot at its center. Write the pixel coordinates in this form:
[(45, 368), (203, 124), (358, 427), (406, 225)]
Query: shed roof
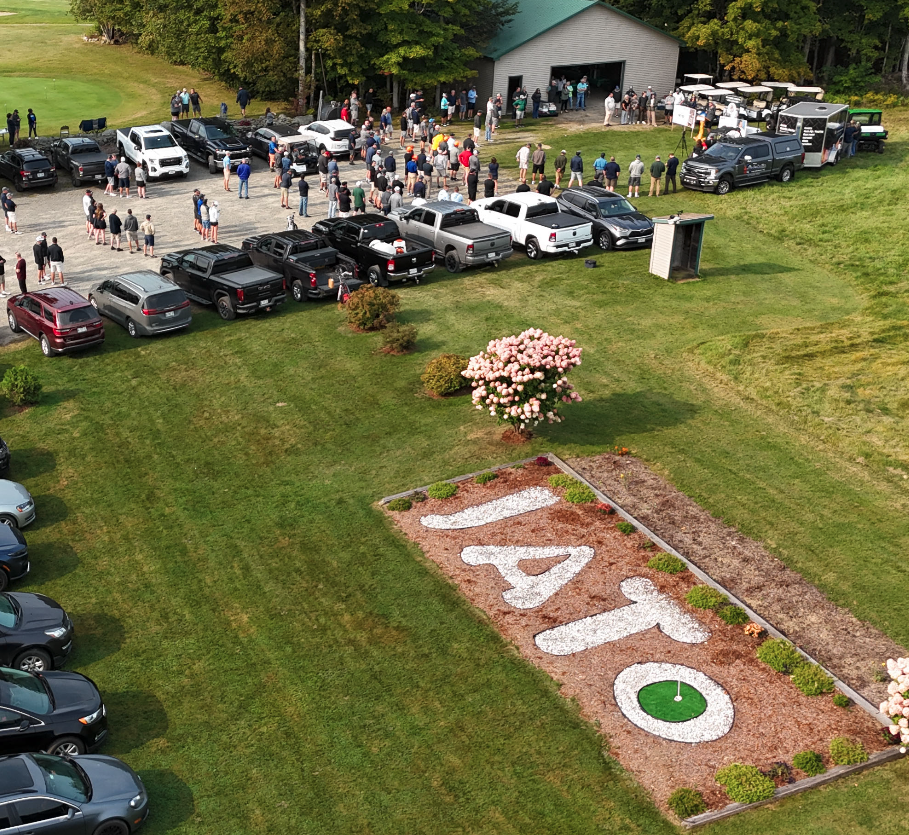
[(813, 109), (534, 17)]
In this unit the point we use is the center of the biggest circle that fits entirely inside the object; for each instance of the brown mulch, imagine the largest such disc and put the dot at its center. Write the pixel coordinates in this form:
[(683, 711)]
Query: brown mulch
[(773, 720), (830, 634)]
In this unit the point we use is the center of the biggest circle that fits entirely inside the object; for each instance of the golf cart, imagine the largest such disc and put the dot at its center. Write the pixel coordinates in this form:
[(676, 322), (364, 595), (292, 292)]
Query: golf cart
[(697, 78), (756, 102), (873, 132), (797, 94)]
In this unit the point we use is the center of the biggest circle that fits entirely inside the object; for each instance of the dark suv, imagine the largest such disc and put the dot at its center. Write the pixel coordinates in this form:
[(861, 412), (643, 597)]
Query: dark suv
[(743, 161), (616, 223), (27, 168), (59, 318)]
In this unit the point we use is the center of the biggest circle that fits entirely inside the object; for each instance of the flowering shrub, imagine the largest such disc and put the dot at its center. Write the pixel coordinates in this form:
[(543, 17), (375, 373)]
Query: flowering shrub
[(897, 704), (810, 762), (620, 450), (755, 630), (687, 803), (521, 379), (608, 509)]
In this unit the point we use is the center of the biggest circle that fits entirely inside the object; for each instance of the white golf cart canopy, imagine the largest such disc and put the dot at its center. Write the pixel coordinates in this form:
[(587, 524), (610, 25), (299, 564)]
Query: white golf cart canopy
[(778, 85), (697, 76), (755, 90), (697, 88), (732, 85), (817, 92)]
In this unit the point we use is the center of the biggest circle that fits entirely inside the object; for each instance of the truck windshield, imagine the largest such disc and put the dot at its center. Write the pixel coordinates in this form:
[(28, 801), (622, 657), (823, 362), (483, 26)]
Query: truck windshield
[(219, 131), (460, 218), (164, 140), (721, 152), (231, 265), (542, 209), (88, 148)]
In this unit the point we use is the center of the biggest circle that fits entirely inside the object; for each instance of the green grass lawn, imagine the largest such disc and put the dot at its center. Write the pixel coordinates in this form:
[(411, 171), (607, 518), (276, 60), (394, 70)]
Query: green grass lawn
[(35, 11)]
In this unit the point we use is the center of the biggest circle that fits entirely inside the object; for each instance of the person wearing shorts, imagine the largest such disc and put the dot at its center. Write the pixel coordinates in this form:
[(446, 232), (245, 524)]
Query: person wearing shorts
[(140, 181), (131, 227), (148, 230), (214, 215), (122, 173), (38, 250), (11, 215), (196, 101)]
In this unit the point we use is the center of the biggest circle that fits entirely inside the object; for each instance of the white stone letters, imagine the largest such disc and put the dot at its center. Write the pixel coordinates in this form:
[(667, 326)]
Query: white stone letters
[(650, 608), (525, 501), (529, 591)]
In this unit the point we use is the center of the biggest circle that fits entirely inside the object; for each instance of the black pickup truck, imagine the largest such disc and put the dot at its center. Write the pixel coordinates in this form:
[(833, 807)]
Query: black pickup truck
[(80, 156), (376, 244), (225, 277), (310, 266), (208, 140)]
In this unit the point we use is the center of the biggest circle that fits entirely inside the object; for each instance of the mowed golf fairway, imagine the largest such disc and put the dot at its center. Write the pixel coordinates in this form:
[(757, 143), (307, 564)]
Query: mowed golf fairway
[(68, 99)]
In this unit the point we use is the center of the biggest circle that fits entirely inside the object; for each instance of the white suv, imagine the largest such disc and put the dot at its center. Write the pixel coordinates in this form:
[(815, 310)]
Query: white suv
[(332, 135)]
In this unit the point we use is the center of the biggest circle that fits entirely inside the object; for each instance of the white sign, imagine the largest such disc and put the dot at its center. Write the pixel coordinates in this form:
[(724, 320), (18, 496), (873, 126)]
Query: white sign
[(684, 116)]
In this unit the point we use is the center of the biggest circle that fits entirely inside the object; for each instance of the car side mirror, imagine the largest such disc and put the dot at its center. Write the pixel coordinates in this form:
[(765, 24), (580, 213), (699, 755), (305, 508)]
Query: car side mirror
[(24, 725)]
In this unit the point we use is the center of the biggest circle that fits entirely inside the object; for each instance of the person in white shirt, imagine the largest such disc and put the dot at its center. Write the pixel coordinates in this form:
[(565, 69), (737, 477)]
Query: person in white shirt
[(456, 196), (442, 193), (214, 215), (87, 209), (731, 110), (522, 156), (610, 110), (418, 201)]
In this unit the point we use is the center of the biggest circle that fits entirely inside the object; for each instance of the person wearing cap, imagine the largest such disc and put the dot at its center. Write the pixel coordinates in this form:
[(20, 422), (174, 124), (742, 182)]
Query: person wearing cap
[(141, 180), (657, 169), (583, 87), (122, 171), (635, 170), (131, 227), (334, 186), (10, 207), (148, 230), (359, 198), (5, 199), (214, 216), (39, 250), (561, 163), (577, 169), (184, 103)]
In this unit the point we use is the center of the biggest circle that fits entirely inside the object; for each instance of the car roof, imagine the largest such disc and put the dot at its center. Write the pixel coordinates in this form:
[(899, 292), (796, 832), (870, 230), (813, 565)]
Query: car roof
[(59, 298), (333, 124), (279, 130), (294, 236), (15, 775), (25, 153), (215, 251), (445, 207), (815, 109), (528, 198), (146, 281), (149, 130), (79, 140), (598, 193)]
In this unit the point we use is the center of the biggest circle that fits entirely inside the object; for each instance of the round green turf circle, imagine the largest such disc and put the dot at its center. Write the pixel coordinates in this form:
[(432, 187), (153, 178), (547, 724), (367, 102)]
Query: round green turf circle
[(658, 700)]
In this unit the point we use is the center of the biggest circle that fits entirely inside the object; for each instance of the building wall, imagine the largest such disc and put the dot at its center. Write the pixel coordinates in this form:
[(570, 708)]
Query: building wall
[(484, 79), (597, 35)]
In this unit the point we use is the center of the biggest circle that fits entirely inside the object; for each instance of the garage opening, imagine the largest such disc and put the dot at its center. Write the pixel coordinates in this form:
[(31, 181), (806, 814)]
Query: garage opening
[(602, 78)]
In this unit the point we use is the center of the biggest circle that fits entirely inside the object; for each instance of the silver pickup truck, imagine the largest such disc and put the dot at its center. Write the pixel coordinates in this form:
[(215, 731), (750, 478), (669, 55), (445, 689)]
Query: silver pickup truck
[(455, 233)]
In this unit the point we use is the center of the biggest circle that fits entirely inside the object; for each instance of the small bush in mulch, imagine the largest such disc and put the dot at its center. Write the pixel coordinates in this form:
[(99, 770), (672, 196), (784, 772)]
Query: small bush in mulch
[(399, 504), (879, 674), (812, 680), (846, 752), (579, 493), (706, 597), (687, 803), (561, 480), (733, 615), (542, 461), (625, 528), (842, 700), (889, 738), (418, 497), (518, 467), (666, 563), (372, 308), (606, 509), (620, 450), (399, 339), (442, 375), (779, 771), (745, 783), (780, 655), (21, 386), (810, 762), (485, 478), (441, 490), (755, 630), (648, 545)]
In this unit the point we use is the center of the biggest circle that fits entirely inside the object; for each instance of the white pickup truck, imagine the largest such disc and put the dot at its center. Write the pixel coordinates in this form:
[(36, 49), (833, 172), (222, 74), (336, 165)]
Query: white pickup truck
[(154, 149), (536, 222)]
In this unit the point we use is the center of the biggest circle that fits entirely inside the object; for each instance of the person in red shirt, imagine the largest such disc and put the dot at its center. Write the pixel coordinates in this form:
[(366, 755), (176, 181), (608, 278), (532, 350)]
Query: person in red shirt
[(464, 159), (20, 272)]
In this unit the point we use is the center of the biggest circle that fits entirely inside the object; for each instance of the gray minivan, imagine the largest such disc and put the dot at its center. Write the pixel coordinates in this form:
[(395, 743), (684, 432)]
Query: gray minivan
[(144, 302)]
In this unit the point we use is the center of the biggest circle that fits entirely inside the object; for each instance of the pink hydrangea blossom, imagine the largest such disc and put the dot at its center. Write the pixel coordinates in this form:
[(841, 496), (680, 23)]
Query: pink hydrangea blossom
[(897, 705)]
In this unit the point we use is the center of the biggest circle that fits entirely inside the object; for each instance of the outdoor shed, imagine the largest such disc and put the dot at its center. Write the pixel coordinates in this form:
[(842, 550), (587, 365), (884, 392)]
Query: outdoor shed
[(574, 38)]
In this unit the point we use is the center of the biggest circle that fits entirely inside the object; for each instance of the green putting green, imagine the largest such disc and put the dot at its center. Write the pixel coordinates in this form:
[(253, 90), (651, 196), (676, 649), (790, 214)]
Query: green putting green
[(65, 100), (658, 700)]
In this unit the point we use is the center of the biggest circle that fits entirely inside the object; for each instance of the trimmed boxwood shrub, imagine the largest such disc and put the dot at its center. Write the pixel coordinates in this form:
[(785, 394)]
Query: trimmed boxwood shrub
[(372, 308), (706, 597), (443, 374), (441, 490), (561, 480), (21, 386), (810, 762), (666, 563), (812, 680), (733, 615), (399, 504), (625, 527), (780, 655), (485, 478), (687, 803), (579, 493), (745, 783), (846, 752)]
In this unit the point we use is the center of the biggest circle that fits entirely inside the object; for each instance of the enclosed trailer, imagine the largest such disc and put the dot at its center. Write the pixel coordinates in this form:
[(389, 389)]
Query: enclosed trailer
[(819, 126)]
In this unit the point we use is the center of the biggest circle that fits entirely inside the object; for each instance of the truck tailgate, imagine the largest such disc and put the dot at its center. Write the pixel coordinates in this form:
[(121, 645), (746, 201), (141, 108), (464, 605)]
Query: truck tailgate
[(484, 238)]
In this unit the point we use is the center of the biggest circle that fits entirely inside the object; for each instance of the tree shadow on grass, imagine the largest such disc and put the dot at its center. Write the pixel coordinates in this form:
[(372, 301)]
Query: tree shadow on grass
[(98, 635), (51, 561), (601, 420), (136, 717), (172, 798), (743, 270)]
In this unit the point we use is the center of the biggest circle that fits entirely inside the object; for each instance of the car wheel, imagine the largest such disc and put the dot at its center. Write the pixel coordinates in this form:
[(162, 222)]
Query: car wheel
[(4, 580), (452, 262), (33, 661), (132, 329), (12, 521), (297, 291), (112, 827), (604, 239), (13, 324), (724, 186), (45, 347), (880, 147), (787, 174), (74, 179), (70, 746), (533, 249), (17, 184), (375, 276), (226, 309), (212, 167)]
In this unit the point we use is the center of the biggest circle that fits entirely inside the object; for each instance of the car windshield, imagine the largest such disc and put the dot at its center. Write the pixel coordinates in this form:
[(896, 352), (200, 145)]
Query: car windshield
[(63, 778), (77, 316), (164, 140), (219, 131), (613, 208), (542, 209), (8, 613), (24, 691), (726, 153), (87, 148), (867, 118), (459, 218)]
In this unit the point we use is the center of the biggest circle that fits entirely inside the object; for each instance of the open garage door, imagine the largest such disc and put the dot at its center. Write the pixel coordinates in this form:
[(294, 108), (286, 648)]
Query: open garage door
[(602, 78)]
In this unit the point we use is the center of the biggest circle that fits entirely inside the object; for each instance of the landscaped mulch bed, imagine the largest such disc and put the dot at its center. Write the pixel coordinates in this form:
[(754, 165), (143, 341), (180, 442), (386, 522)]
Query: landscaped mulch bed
[(773, 720), (830, 634)]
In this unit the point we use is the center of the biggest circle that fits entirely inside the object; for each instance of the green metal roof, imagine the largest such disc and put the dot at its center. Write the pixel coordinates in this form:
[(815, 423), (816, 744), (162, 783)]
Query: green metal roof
[(535, 17)]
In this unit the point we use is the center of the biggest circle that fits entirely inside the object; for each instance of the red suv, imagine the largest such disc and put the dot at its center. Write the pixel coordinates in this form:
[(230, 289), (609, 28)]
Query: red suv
[(59, 318)]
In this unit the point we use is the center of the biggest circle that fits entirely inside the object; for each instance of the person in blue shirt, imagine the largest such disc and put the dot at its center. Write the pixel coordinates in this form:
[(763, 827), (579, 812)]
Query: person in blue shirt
[(272, 150), (582, 89), (243, 172), (225, 167), (599, 168), (471, 101), (412, 170)]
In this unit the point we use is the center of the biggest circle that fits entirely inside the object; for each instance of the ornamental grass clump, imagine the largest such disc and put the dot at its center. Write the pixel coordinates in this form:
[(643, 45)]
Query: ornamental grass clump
[(399, 504), (443, 375), (521, 380), (687, 803), (579, 493), (745, 783), (810, 762), (372, 308), (897, 704), (21, 386), (846, 752), (441, 490), (812, 680), (780, 655), (666, 563), (706, 597)]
